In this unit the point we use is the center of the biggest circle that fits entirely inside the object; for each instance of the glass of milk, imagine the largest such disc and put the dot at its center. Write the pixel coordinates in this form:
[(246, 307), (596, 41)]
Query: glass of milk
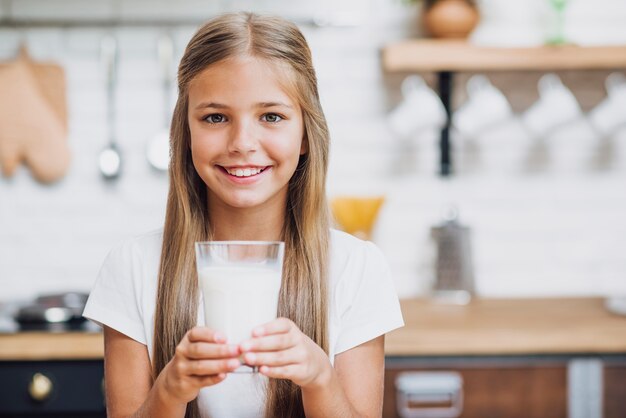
[(240, 282)]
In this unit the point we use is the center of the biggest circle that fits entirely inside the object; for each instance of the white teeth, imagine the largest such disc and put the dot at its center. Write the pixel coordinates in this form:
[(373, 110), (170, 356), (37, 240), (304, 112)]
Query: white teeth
[(246, 172)]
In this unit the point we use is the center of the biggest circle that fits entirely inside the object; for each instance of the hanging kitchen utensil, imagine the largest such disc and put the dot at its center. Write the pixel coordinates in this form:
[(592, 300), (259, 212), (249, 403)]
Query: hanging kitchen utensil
[(33, 88), (51, 79), (110, 158), (159, 146), (454, 276)]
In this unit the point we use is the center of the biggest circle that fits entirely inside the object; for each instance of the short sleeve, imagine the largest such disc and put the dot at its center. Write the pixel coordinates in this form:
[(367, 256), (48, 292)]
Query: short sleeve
[(374, 308), (114, 300)]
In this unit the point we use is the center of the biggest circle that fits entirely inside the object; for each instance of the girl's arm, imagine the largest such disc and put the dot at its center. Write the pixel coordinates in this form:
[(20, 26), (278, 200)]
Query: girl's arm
[(201, 359), (353, 388), (128, 382)]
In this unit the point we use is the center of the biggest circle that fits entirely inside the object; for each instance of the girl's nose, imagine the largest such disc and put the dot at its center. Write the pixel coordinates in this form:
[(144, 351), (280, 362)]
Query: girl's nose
[(242, 138)]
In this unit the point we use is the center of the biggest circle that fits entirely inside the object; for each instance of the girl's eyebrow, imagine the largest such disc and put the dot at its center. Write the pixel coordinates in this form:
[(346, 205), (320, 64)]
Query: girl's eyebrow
[(273, 104), (214, 105), (211, 104)]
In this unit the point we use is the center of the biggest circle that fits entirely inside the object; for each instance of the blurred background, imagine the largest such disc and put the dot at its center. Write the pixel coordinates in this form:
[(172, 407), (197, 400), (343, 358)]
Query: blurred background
[(480, 144), (546, 216)]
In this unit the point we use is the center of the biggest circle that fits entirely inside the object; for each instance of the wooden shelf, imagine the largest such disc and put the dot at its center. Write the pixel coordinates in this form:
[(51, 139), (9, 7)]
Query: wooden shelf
[(444, 55), (508, 327), (447, 57)]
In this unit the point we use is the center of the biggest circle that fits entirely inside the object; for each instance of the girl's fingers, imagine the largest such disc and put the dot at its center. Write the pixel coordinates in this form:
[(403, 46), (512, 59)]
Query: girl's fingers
[(277, 326), (204, 334), (269, 343), (203, 368), (202, 350), (202, 381), (280, 372), (273, 358)]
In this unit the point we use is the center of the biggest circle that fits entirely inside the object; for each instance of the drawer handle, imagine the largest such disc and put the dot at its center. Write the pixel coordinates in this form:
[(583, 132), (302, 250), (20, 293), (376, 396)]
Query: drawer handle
[(40, 387), (429, 394)]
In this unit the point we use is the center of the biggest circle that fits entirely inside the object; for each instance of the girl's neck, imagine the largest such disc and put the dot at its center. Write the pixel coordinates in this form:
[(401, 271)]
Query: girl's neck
[(248, 224)]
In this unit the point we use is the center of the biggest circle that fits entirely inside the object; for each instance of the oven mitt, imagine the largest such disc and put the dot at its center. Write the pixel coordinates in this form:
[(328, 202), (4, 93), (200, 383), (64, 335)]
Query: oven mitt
[(32, 123)]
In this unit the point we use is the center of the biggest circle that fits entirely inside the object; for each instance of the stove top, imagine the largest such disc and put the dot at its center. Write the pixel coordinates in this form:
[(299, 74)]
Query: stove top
[(8, 325)]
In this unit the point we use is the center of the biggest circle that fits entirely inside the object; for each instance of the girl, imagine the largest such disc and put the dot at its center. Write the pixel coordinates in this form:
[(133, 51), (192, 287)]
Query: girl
[(249, 145)]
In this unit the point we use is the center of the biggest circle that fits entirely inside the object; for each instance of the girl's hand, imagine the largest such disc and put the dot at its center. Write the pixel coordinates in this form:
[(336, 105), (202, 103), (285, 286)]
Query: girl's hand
[(202, 358), (282, 351)]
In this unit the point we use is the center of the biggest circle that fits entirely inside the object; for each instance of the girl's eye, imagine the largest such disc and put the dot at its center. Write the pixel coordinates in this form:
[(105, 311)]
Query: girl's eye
[(272, 117), (215, 118)]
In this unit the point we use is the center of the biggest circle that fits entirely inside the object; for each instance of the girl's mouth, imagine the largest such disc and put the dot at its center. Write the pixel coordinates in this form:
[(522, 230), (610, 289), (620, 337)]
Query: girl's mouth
[(243, 172)]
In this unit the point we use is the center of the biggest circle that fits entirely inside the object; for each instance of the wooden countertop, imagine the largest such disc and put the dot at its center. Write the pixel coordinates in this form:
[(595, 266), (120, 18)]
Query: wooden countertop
[(453, 55), (35, 345), (484, 327), (508, 327)]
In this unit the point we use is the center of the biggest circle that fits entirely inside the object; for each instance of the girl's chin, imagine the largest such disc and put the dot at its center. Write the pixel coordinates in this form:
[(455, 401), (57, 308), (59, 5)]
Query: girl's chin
[(244, 203)]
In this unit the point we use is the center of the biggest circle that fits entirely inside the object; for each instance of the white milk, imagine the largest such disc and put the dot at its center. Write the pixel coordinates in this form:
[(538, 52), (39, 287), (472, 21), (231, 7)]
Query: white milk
[(237, 299)]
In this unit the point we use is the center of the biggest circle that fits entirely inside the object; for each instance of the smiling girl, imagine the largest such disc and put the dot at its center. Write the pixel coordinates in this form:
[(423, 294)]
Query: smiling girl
[(249, 148)]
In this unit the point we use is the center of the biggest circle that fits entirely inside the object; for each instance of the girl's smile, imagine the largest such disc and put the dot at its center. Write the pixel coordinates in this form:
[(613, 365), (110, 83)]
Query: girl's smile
[(245, 174)]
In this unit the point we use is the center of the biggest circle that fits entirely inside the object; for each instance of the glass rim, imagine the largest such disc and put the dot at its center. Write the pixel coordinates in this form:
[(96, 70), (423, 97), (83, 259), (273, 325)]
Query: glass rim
[(199, 243)]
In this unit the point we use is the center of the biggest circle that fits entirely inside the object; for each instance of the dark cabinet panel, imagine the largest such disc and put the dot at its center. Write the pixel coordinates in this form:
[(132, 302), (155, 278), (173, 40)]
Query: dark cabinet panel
[(52, 388)]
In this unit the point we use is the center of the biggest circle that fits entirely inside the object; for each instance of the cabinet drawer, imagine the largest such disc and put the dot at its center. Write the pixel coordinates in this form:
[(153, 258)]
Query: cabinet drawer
[(68, 388), (615, 391), (495, 390)]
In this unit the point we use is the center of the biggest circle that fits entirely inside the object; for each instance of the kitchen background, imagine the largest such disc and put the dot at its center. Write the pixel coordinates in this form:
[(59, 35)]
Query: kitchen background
[(547, 218)]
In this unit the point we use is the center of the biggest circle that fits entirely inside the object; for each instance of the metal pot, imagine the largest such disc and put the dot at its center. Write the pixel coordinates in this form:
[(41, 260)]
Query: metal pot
[(53, 308)]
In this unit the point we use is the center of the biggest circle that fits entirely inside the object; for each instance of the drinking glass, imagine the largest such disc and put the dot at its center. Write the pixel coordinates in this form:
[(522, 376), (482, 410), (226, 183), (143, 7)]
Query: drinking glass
[(240, 283)]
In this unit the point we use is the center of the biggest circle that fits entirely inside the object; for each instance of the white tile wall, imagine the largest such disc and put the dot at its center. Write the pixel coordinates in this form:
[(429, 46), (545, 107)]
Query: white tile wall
[(188, 9), (61, 9), (557, 229), (4, 8)]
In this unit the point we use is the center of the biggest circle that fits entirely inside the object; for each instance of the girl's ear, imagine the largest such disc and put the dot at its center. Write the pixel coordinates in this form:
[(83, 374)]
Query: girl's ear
[(304, 146)]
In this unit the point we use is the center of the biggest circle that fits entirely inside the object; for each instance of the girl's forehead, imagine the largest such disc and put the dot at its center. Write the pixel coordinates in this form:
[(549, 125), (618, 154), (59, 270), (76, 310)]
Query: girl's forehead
[(245, 73)]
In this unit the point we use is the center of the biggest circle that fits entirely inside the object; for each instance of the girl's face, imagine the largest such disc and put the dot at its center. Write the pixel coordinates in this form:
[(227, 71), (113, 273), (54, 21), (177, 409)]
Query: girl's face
[(246, 133)]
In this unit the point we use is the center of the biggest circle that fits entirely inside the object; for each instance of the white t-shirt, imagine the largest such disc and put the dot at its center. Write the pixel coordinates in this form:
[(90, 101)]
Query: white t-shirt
[(362, 305)]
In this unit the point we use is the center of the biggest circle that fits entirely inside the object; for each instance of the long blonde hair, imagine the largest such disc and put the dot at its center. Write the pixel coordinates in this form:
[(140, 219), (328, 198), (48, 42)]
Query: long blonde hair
[(303, 295)]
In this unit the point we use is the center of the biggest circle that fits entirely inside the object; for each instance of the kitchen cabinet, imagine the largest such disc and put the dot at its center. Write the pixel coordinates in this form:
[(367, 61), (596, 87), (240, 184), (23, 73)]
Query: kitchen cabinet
[(492, 387), (45, 374), (615, 391), (447, 57), (530, 358), (52, 388), (526, 358)]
